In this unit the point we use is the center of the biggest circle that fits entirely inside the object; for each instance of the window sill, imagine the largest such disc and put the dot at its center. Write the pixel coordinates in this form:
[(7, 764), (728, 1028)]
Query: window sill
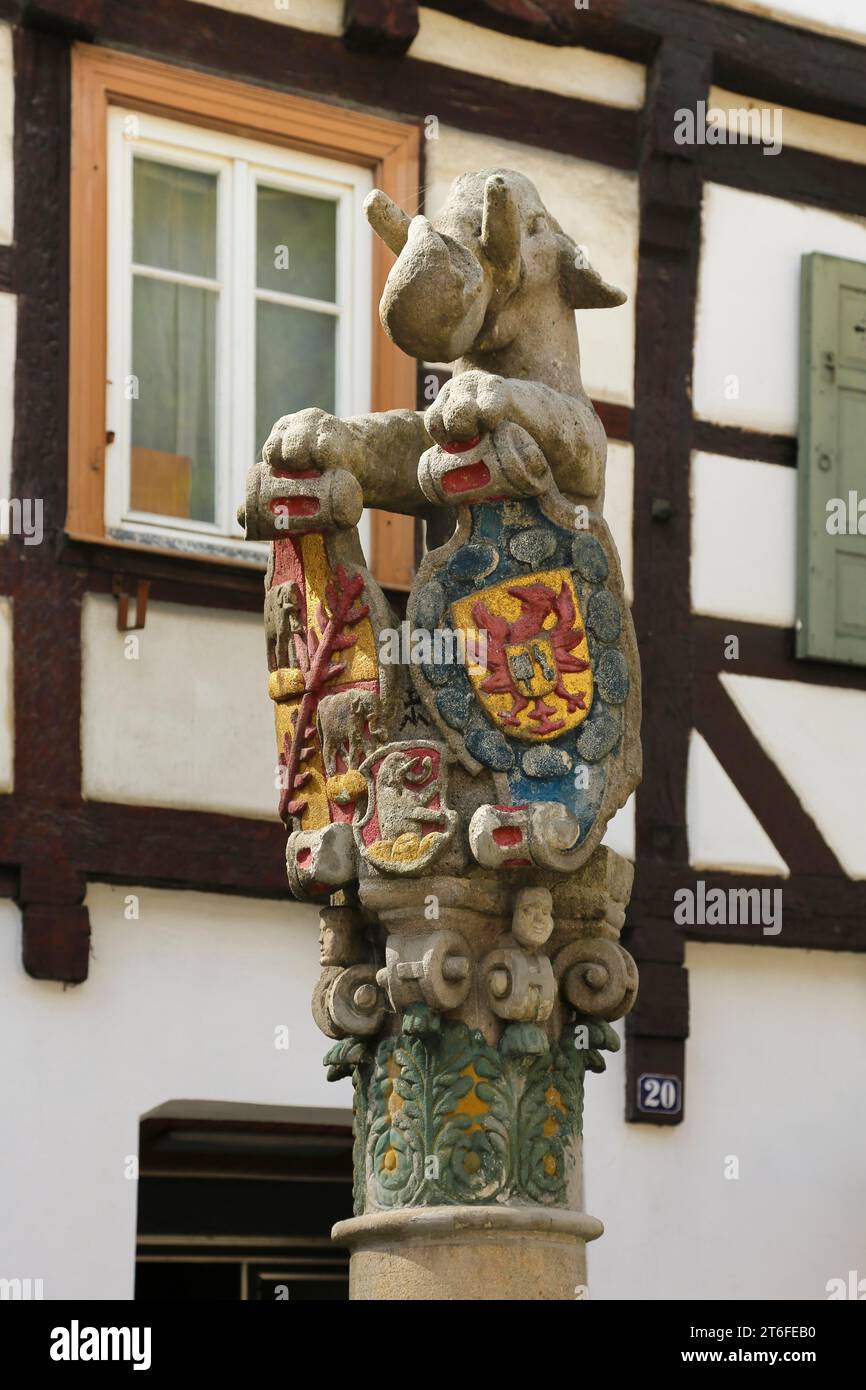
[(178, 576), (120, 543), (225, 550)]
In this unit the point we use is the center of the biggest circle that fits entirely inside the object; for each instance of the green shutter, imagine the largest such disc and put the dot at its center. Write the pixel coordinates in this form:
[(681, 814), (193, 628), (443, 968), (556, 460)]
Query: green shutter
[(831, 568)]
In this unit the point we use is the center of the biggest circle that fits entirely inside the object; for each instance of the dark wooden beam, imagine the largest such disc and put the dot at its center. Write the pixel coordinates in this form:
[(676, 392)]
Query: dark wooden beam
[(649, 1054), (182, 849), (764, 651), (260, 51), (763, 58), (744, 444), (46, 597), (60, 847), (380, 26), (7, 269), (155, 846), (798, 176), (670, 199), (771, 62), (661, 432), (173, 578), (820, 912), (617, 420), (603, 24)]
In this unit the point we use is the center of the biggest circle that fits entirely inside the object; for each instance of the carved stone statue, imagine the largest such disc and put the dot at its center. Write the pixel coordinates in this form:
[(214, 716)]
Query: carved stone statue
[(448, 812)]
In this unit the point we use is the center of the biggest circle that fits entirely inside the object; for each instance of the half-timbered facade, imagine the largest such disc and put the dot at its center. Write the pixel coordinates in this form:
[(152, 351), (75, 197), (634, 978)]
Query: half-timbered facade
[(162, 1089)]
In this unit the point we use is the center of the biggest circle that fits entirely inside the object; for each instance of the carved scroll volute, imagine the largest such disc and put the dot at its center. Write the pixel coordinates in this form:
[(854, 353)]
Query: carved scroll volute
[(598, 977)]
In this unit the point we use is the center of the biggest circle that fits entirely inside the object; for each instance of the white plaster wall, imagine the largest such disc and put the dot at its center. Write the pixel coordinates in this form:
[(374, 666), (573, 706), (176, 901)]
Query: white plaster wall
[(744, 539), (618, 512), (596, 205), (7, 709), (723, 830), (748, 311), (572, 72), (759, 1087), (620, 833), (799, 129), (846, 18), (458, 44), (189, 723), (317, 16), (815, 735), (183, 1003), (7, 110), (8, 322), (619, 505), (180, 1005)]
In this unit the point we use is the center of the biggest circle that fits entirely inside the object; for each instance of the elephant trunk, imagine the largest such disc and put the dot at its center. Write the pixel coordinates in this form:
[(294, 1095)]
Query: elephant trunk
[(436, 295)]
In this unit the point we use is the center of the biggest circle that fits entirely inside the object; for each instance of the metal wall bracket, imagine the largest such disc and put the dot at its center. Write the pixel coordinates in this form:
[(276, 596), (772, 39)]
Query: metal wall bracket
[(141, 595)]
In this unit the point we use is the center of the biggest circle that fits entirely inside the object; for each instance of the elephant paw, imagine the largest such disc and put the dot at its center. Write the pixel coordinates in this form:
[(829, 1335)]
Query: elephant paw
[(306, 477), (468, 406), (309, 439)]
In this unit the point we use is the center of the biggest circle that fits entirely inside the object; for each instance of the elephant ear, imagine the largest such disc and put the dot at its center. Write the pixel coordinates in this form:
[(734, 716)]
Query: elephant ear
[(583, 287)]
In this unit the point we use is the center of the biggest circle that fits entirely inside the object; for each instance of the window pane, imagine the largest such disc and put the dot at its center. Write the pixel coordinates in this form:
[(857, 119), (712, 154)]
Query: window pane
[(296, 244), (174, 367), (295, 363), (174, 218)]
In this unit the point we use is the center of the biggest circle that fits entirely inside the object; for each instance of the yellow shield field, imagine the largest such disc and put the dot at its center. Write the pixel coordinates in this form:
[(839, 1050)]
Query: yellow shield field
[(533, 674)]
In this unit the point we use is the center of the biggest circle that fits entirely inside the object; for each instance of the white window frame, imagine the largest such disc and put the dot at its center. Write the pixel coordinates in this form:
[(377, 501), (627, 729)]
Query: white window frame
[(240, 165)]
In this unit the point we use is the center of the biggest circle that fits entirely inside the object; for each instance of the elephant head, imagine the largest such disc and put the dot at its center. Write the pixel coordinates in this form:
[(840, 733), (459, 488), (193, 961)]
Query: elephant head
[(468, 283)]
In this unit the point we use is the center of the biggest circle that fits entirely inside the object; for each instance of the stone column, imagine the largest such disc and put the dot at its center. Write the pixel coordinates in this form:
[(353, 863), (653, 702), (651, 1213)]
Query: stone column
[(469, 1073), (446, 798)]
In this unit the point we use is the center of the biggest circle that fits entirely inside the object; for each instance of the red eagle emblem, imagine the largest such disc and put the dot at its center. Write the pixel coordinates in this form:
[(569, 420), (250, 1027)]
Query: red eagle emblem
[(527, 659)]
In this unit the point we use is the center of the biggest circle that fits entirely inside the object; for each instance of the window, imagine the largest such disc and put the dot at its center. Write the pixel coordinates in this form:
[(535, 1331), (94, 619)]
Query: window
[(236, 1202), (222, 274), (240, 281)]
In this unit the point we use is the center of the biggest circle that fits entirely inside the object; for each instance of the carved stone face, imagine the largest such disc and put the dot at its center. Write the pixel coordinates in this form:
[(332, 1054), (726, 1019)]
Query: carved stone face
[(532, 922)]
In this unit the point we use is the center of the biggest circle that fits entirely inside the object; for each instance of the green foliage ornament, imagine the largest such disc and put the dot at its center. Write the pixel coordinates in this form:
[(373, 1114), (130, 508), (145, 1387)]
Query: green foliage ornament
[(442, 1117)]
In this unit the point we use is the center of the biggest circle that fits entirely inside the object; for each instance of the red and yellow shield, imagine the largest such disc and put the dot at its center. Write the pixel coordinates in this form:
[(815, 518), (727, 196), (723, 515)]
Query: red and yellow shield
[(532, 674)]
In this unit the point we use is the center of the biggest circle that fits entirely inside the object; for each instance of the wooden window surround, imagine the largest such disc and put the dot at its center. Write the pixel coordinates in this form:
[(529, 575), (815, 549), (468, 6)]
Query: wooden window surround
[(102, 78)]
